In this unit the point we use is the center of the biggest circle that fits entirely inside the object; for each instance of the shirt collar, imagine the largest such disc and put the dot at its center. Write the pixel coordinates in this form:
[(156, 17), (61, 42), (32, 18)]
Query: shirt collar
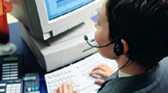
[(122, 74)]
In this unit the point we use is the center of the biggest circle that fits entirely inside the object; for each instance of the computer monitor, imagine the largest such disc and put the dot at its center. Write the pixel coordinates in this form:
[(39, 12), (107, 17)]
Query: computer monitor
[(54, 29), (48, 18)]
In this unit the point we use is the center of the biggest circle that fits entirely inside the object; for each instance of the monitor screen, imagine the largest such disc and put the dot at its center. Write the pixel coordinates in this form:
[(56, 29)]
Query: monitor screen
[(56, 8)]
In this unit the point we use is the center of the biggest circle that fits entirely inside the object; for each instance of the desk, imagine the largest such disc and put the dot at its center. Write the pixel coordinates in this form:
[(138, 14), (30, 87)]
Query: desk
[(29, 58)]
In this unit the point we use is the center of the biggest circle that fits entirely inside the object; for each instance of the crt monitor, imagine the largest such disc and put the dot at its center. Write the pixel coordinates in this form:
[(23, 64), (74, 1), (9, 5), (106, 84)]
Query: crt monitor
[(48, 18)]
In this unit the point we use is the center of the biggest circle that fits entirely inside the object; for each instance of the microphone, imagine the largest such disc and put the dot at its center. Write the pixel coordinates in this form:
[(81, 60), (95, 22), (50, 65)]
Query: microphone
[(86, 39)]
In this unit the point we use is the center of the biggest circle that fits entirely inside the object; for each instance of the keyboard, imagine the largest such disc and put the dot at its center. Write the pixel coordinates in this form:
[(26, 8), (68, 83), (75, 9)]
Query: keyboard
[(78, 73)]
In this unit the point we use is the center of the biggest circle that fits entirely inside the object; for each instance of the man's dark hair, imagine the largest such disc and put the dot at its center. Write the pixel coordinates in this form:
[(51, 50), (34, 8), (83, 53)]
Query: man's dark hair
[(144, 26)]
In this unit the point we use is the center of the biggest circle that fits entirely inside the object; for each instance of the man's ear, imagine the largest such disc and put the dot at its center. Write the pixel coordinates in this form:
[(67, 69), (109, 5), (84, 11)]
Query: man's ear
[(125, 45)]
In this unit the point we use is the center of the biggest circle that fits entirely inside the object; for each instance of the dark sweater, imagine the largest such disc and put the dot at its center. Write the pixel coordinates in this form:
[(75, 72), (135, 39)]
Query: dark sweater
[(153, 81)]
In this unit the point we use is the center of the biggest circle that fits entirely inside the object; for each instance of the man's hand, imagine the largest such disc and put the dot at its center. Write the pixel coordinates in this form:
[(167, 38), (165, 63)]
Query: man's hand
[(102, 70), (63, 88)]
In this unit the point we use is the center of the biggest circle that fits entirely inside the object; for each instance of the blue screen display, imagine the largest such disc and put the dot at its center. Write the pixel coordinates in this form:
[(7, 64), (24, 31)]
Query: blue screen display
[(56, 8)]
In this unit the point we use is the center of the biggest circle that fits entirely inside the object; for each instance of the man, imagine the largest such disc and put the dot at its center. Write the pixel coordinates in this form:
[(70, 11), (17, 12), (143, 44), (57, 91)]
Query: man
[(139, 31)]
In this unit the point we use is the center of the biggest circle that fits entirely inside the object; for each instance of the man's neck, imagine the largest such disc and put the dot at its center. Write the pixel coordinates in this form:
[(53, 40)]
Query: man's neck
[(132, 67)]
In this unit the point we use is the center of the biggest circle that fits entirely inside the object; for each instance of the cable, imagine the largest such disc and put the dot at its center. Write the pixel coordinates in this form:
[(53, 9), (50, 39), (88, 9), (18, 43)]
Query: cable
[(124, 65)]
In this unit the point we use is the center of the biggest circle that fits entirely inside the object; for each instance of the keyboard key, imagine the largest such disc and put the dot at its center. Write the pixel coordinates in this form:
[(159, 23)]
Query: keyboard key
[(2, 90), (2, 84)]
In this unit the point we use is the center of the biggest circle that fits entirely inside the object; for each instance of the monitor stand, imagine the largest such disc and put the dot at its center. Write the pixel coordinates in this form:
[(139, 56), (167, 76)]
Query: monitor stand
[(7, 49)]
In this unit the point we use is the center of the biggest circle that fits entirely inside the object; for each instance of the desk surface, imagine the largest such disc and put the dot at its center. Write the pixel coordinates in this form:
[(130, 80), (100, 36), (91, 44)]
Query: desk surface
[(29, 58), (22, 48)]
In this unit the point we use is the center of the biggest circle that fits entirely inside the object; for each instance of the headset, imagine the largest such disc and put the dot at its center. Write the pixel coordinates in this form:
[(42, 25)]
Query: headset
[(118, 47)]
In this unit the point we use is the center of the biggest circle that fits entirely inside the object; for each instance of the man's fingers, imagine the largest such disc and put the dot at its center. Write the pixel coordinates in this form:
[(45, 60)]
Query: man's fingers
[(65, 88), (60, 89), (77, 91), (101, 67), (99, 72), (70, 88), (105, 65), (55, 91), (99, 81)]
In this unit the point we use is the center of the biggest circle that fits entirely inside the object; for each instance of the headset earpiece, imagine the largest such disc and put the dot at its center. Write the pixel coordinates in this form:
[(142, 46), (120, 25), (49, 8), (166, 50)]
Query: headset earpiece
[(118, 48)]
